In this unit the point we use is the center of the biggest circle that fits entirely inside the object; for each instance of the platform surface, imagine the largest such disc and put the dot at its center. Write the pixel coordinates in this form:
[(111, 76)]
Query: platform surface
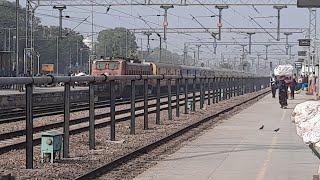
[(237, 150)]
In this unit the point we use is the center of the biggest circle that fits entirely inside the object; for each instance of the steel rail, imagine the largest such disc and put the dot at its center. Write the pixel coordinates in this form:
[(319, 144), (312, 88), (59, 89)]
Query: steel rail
[(9, 135), (19, 115), (36, 141)]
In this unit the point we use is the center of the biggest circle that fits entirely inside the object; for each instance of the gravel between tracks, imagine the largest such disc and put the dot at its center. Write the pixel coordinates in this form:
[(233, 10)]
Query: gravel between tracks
[(83, 160)]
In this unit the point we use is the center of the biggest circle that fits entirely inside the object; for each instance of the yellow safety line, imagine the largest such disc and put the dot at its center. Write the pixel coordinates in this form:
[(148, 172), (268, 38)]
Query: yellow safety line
[(264, 168)]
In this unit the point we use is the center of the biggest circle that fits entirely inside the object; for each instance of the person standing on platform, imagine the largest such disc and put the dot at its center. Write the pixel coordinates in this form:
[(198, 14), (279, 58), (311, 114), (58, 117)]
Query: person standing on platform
[(273, 82), (283, 92), (292, 85), (311, 83)]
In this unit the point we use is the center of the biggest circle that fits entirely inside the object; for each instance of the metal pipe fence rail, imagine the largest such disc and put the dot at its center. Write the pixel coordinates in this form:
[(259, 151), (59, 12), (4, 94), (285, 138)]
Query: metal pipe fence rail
[(212, 89)]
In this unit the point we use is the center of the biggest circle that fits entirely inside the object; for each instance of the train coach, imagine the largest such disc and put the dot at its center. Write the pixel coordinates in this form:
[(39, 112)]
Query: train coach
[(121, 66)]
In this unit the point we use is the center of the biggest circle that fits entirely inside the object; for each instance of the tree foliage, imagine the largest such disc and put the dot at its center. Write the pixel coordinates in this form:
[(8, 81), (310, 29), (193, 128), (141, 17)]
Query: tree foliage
[(72, 50), (114, 42), (45, 39)]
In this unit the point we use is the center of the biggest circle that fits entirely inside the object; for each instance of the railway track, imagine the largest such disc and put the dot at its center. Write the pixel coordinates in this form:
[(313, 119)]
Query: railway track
[(109, 167), (16, 139), (19, 114)]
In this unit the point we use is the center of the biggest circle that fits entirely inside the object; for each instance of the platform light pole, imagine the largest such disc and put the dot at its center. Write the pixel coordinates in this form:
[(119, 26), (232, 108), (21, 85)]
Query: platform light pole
[(148, 34), (267, 46), (198, 52), (160, 47), (220, 8), (60, 8), (185, 53), (279, 8), (215, 45), (250, 40), (258, 66), (17, 37), (38, 59), (287, 34), (165, 21), (243, 55)]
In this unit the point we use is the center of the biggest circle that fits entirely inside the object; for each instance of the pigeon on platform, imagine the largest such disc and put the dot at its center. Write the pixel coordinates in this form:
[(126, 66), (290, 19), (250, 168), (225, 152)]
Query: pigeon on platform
[(276, 130), (261, 127)]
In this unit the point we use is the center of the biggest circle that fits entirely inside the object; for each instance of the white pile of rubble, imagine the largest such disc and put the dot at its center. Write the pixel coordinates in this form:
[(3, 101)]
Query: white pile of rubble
[(306, 117)]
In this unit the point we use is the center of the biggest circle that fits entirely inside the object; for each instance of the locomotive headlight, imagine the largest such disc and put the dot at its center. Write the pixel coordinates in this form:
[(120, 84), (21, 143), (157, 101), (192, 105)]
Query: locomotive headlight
[(49, 141)]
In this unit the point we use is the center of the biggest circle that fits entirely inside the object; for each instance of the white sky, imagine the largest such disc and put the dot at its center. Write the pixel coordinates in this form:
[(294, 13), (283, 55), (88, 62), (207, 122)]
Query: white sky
[(235, 16)]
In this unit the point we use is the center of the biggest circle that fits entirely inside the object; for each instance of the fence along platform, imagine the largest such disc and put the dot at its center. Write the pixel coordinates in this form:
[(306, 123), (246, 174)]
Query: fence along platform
[(219, 88)]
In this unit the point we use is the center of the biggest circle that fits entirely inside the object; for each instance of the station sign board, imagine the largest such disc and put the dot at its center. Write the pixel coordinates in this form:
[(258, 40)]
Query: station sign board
[(304, 42), (302, 53), (300, 60), (308, 4), (47, 67), (298, 64)]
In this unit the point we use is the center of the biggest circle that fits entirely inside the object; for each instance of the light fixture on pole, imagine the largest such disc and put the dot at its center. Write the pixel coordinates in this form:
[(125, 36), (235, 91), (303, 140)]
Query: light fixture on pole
[(287, 34), (60, 8), (148, 34), (165, 21), (278, 8), (221, 7), (250, 42), (160, 51), (215, 45)]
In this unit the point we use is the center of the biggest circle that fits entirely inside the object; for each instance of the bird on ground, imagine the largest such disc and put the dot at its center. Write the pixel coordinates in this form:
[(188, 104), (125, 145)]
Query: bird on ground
[(276, 130), (261, 127)]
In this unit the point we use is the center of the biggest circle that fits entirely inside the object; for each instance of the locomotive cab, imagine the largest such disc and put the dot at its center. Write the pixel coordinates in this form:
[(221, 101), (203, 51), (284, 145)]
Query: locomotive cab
[(108, 67)]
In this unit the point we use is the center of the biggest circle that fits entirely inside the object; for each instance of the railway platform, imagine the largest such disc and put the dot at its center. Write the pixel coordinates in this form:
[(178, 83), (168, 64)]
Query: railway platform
[(237, 149)]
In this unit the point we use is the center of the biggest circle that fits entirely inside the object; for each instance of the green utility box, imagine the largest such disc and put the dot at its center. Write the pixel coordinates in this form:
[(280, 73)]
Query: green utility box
[(51, 144)]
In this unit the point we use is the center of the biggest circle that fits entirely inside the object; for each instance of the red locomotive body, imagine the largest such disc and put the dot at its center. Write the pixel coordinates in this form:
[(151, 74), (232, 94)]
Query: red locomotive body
[(119, 67)]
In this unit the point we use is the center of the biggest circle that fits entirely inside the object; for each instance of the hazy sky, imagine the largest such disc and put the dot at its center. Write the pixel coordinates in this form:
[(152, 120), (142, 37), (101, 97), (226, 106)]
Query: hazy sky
[(235, 16)]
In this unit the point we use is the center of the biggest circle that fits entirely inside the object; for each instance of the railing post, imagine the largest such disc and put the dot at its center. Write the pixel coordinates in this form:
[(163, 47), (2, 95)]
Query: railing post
[(231, 87), (243, 85), (227, 88), (133, 107), (169, 100), (186, 82), (219, 89), (29, 126), (252, 81), (194, 94), (145, 103), (92, 140), (214, 84), (209, 90), (66, 126), (224, 88), (201, 93), (177, 97), (235, 86), (158, 103), (112, 110), (239, 86)]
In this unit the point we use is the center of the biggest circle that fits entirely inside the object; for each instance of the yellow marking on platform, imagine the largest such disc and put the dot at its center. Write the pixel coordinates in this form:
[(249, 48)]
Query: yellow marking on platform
[(263, 170)]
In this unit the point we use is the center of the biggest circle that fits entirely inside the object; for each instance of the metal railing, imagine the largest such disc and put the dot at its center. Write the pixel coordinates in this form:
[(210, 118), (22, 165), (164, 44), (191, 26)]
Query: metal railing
[(215, 89)]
